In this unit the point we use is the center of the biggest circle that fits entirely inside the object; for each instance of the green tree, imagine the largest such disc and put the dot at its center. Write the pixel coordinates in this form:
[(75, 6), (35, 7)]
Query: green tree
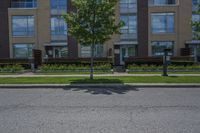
[(93, 22), (196, 25)]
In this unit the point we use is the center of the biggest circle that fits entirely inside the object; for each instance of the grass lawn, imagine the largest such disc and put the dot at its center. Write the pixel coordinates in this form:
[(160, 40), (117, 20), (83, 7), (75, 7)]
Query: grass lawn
[(84, 80), (70, 73), (161, 72)]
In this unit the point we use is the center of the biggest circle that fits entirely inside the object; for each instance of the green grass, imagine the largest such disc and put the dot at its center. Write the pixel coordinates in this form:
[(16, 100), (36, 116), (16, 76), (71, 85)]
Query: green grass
[(70, 73), (161, 72), (74, 80)]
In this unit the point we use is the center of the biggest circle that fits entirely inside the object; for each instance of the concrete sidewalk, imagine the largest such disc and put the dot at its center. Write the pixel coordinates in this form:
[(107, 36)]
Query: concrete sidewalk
[(172, 85), (96, 75)]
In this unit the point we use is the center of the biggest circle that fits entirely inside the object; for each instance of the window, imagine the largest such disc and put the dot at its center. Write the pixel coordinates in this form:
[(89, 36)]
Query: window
[(162, 22), (194, 5), (58, 6), (24, 3), (22, 50), (23, 25), (129, 31), (159, 47), (86, 51), (162, 2), (58, 28), (128, 6)]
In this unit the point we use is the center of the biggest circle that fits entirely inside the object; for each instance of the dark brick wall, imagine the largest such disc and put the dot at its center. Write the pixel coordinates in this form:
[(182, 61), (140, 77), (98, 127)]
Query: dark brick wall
[(72, 43), (4, 31), (143, 28)]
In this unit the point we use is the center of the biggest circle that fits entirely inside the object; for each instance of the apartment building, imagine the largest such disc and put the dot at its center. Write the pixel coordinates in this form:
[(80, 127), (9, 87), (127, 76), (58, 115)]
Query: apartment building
[(150, 27), (195, 44)]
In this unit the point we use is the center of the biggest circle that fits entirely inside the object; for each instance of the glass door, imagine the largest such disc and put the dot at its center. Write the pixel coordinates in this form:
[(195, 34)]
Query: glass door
[(56, 53), (126, 52)]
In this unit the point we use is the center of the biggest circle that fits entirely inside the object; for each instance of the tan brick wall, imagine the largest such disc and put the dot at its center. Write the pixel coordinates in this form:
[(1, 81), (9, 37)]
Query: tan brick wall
[(42, 26), (183, 31)]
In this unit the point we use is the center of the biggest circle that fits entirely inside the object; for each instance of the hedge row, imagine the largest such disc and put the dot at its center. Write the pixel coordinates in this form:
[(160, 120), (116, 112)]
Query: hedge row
[(159, 68), (11, 68), (183, 61), (74, 67)]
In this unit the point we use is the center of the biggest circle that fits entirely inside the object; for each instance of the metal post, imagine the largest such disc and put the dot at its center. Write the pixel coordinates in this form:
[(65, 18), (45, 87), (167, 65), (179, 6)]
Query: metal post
[(165, 63)]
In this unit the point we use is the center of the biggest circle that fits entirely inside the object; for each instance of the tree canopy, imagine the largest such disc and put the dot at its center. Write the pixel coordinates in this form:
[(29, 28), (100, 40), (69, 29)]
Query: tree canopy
[(94, 21)]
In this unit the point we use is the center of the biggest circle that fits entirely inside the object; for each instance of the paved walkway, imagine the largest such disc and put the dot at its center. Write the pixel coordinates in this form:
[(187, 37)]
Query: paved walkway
[(96, 75), (171, 85)]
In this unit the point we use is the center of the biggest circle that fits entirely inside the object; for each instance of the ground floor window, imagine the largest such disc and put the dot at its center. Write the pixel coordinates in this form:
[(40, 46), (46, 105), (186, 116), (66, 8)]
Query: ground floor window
[(158, 47), (57, 52), (86, 51), (195, 49), (64, 52), (22, 50)]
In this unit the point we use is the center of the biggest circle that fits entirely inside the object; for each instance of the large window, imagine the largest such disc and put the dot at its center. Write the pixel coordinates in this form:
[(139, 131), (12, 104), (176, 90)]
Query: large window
[(162, 2), (195, 4), (23, 25), (128, 6), (129, 30), (162, 22), (22, 50), (24, 3), (86, 51), (58, 6), (159, 47), (58, 28)]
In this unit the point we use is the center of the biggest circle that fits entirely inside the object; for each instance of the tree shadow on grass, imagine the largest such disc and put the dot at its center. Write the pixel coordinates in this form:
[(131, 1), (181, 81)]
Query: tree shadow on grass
[(96, 81), (100, 86)]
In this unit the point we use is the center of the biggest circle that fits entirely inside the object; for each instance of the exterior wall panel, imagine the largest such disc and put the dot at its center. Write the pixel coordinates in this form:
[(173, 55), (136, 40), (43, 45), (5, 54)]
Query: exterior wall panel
[(4, 30), (142, 28), (72, 43)]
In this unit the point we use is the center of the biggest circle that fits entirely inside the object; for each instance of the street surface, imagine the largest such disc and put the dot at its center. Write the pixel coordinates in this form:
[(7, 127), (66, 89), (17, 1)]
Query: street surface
[(100, 110)]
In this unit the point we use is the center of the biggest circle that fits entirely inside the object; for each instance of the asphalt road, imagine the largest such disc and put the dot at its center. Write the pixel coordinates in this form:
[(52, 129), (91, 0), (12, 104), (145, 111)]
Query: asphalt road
[(100, 110)]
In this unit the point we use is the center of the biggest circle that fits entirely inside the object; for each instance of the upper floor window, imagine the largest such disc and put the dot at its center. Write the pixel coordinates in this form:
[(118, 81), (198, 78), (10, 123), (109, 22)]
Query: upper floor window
[(58, 28), (195, 4), (129, 30), (24, 3), (58, 6), (128, 6), (162, 22), (23, 25), (162, 2)]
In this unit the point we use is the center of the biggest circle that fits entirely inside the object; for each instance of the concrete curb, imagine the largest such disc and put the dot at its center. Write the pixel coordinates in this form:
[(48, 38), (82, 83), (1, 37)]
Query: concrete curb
[(4, 86), (99, 75)]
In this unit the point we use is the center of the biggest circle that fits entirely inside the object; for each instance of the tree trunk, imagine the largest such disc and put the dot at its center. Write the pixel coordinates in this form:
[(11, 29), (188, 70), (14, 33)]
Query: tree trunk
[(92, 62), (93, 43)]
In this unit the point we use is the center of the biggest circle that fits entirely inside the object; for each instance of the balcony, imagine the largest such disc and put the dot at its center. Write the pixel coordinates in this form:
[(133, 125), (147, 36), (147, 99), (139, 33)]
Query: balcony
[(24, 4)]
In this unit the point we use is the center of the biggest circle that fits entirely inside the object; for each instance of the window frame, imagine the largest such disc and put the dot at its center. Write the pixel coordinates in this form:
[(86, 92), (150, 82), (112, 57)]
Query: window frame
[(29, 30)]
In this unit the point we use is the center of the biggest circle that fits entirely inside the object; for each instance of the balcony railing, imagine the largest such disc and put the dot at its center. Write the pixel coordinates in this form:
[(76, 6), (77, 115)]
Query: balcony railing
[(128, 37), (24, 4)]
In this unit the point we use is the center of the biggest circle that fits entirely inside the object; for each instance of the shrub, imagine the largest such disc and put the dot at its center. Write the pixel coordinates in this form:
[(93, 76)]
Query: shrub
[(135, 67), (183, 61), (74, 67), (11, 68)]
